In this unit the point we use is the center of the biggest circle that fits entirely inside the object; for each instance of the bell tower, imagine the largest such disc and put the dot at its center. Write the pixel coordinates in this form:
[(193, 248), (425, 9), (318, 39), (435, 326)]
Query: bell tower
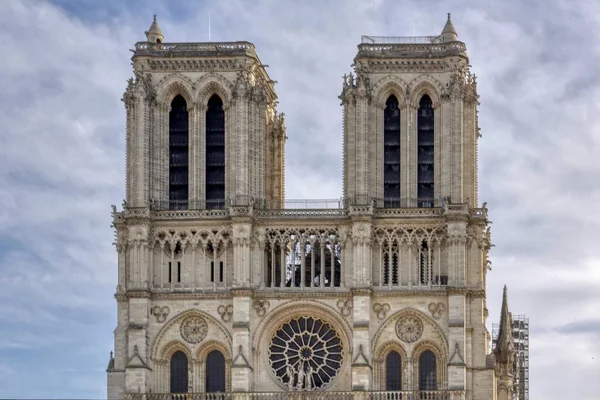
[(410, 122), (202, 128)]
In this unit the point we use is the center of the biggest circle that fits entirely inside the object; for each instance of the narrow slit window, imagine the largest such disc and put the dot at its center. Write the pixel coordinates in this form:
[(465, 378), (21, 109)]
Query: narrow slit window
[(220, 271), (170, 271), (212, 271), (178, 271)]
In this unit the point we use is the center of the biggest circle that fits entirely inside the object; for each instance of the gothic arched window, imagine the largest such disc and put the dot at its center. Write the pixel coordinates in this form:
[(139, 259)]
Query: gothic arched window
[(427, 371), (178, 154), (179, 372), (215, 153), (425, 150), (425, 263), (215, 372), (393, 371), (391, 153)]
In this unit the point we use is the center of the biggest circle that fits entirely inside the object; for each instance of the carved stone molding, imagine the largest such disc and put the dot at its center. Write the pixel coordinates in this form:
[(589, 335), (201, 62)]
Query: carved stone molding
[(226, 312), (160, 313), (437, 309), (409, 328), (261, 307), (194, 329), (381, 309), (345, 306)]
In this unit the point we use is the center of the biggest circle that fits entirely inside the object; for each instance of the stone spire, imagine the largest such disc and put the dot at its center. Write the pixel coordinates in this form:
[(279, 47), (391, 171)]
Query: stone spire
[(154, 34), (449, 33), (504, 351)]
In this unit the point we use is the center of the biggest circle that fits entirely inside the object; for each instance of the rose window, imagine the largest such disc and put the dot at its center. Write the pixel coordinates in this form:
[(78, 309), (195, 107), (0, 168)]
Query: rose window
[(306, 353)]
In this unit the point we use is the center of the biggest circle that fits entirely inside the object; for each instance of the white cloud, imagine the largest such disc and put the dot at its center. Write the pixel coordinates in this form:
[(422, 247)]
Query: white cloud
[(62, 144)]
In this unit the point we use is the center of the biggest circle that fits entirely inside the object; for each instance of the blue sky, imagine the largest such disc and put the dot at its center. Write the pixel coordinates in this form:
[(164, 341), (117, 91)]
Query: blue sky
[(63, 70)]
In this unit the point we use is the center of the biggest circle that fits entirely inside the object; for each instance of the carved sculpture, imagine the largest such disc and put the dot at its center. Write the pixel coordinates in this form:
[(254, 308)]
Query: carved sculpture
[(409, 328), (194, 329)]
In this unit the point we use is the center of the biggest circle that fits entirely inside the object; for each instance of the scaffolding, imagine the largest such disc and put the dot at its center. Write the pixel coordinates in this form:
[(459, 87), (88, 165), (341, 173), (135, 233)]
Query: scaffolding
[(520, 329)]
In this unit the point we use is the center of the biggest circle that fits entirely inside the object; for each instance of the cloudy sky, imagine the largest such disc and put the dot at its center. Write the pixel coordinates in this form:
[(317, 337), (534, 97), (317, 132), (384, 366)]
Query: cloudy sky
[(63, 69)]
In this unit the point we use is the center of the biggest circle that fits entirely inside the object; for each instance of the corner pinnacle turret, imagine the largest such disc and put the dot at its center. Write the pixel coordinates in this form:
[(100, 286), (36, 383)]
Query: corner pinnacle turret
[(154, 34), (449, 34), (504, 350)]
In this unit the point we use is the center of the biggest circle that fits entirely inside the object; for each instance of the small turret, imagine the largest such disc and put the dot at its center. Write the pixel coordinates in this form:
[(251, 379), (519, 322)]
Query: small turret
[(154, 34), (449, 33)]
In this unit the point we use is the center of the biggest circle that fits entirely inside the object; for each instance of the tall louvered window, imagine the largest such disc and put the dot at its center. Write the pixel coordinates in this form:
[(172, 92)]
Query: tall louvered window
[(215, 153), (179, 373), (427, 371), (178, 154), (393, 371), (425, 151), (215, 372), (391, 157)]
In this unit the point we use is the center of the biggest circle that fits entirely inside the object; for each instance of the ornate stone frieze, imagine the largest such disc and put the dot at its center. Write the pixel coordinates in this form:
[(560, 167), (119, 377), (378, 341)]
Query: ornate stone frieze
[(194, 329), (437, 309), (345, 306), (261, 307), (160, 313), (381, 310), (226, 312), (409, 328)]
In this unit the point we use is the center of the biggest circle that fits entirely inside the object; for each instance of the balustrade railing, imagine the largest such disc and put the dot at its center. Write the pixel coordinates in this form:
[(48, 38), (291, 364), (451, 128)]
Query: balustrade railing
[(223, 48), (315, 395)]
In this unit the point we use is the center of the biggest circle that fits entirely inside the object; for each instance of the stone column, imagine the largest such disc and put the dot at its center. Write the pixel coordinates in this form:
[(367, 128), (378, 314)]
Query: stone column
[(137, 369), (241, 370), (362, 371)]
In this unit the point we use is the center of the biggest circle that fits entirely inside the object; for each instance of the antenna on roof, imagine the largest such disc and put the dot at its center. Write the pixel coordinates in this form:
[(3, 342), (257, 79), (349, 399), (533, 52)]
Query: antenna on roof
[(209, 25)]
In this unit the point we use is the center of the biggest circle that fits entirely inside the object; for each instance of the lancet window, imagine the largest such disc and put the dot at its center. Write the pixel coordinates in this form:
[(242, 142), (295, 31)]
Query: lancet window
[(425, 153), (427, 371), (178, 154), (215, 372), (393, 371), (215, 153), (303, 258), (408, 258), (391, 149), (179, 372), (191, 259)]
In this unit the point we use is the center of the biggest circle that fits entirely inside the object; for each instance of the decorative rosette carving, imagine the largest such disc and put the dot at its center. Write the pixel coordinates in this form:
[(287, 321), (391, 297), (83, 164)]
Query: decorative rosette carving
[(409, 328), (194, 329), (160, 313), (226, 312)]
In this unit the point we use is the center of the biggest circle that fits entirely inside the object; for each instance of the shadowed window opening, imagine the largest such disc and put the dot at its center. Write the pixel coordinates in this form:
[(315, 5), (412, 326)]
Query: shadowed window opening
[(425, 153), (179, 373), (427, 371), (215, 372), (215, 153), (178, 154), (391, 158), (393, 371)]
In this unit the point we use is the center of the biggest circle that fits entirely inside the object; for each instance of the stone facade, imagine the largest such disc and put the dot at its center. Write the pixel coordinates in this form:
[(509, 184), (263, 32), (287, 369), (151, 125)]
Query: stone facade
[(196, 280)]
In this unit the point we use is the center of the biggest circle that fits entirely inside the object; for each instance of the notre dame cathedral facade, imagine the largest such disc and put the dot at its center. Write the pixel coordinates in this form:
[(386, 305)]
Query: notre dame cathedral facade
[(224, 291)]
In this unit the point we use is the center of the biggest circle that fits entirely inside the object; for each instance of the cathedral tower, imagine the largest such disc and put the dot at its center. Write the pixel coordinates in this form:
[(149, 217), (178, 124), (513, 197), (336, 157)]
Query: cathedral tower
[(223, 289)]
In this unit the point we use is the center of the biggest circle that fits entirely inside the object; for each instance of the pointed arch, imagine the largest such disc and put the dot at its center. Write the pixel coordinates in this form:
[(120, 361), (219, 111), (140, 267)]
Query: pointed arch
[(215, 328), (429, 365), (381, 367), (216, 380), (173, 85), (425, 85), (212, 84), (387, 86)]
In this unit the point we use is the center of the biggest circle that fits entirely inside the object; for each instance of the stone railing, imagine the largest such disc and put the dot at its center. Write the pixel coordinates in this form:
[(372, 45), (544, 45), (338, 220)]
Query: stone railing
[(194, 49), (298, 209), (400, 39), (316, 395), (403, 50)]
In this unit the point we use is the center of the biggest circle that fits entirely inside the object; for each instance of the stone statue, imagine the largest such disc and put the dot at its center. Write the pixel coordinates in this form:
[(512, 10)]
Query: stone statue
[(300, 378), (290, 374), (309, 375)]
